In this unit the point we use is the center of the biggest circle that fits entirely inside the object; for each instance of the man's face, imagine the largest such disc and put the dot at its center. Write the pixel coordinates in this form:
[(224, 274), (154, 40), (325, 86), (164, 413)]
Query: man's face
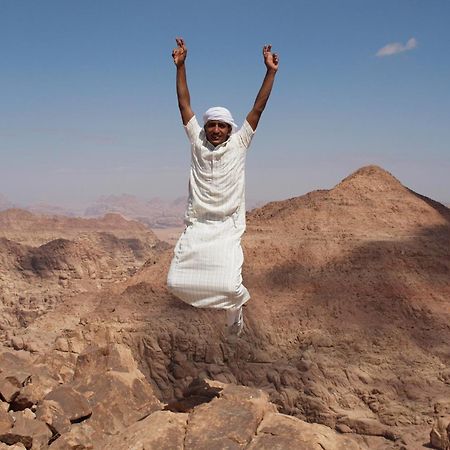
[(217, 132)]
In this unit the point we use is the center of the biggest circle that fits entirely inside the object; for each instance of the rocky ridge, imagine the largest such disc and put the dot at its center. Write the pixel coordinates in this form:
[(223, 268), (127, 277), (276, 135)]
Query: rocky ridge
[(33, 279)]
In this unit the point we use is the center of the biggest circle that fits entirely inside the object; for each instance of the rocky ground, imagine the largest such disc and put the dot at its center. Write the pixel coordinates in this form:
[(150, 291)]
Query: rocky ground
[(346, 342), (39, 271)]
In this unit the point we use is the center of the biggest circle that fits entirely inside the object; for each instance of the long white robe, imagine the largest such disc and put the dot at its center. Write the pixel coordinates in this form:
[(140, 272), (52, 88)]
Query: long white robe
[(206, 270)]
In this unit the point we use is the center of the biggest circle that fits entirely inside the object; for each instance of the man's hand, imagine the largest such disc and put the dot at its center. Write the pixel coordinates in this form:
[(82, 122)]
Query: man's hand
[(271, 62), (270, 59), (184, 99), (179, 53)]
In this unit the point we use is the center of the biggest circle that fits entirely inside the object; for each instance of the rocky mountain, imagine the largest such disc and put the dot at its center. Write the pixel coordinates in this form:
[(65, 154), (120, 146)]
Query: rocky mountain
[(347, 333)]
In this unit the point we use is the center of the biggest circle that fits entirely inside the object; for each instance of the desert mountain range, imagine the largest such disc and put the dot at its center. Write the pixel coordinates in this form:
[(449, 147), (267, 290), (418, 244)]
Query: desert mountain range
[(156, 213), (346, 343)]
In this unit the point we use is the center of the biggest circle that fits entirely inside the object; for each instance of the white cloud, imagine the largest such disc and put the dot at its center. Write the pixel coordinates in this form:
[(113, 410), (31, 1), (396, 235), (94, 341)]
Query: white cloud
[(397, 47)]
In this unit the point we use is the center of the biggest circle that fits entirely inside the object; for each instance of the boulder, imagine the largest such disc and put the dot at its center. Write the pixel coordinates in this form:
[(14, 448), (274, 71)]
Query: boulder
[(29, 432), (53, 415), (24, 382), (31, 394), (279, 432), (24, 414), (80, 437), (14, 362), (73, 404), (60, 365), (159, 431), (116, 391), (117, 400), (6, 422), (9, 389), (18, 446), (96, 360), (228, 421), (367, 425)]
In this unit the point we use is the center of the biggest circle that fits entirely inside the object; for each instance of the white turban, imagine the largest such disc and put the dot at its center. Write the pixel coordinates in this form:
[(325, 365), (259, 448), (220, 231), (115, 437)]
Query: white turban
[(220, 114)]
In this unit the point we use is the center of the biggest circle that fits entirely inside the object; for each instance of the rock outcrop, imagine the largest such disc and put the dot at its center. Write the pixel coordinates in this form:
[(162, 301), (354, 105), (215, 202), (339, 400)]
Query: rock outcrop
[(109, 404)]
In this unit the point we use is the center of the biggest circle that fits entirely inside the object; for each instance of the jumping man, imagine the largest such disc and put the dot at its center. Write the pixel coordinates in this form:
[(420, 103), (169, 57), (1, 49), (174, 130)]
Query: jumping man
[(207, 264)]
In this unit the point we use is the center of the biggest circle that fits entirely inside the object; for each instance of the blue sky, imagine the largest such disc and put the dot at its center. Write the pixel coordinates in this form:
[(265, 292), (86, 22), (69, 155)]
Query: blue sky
[(88, 105)]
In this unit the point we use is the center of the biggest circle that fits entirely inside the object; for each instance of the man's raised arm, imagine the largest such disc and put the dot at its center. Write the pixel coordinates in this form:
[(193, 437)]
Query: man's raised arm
[(184, 99), (271, 62)]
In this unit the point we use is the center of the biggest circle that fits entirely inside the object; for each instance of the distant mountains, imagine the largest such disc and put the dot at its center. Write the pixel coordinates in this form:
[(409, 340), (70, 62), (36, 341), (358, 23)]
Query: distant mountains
[(50, 210), (155, 213)]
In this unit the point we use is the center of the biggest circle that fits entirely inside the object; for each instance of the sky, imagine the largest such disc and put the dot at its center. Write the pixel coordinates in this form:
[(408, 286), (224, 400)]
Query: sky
[(88, 104)]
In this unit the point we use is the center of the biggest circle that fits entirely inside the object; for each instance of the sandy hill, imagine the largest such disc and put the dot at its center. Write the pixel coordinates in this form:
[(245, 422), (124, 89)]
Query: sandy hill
[(347, 326)]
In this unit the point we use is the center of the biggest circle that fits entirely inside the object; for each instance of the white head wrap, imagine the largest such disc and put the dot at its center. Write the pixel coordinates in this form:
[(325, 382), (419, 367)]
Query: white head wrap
[(220, 114)]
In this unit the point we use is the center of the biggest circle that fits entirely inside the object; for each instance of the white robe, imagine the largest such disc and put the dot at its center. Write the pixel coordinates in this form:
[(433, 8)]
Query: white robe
[(207, 265)]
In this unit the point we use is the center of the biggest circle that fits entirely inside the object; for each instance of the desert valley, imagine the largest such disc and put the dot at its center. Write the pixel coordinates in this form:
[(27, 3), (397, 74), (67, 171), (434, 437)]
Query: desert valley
[(346, 342)]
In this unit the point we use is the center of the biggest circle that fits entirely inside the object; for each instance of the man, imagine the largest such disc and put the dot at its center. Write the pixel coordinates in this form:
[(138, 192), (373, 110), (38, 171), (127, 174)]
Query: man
[(206, 269)]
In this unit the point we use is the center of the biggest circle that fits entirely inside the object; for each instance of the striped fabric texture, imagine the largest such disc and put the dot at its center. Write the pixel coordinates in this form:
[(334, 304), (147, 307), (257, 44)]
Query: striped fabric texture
[(206, 270)]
